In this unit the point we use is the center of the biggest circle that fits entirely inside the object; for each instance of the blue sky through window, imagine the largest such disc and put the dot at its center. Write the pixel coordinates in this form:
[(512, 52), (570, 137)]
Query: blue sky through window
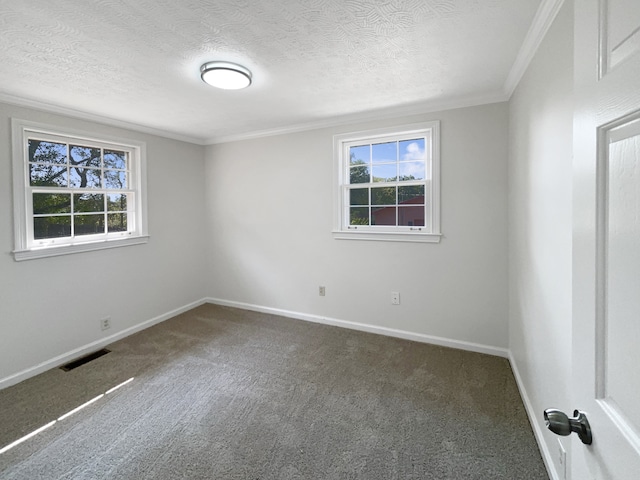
[(385, 152), (389, 160)]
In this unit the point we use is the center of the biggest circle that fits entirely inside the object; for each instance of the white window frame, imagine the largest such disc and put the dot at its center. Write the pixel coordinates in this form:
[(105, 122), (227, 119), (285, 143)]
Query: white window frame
[(430, 233), (26, 247)]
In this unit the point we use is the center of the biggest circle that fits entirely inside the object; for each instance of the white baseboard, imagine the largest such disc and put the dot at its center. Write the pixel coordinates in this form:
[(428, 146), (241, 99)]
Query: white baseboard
[(91, 347), (419, 337), (535, 425), (364, 327)]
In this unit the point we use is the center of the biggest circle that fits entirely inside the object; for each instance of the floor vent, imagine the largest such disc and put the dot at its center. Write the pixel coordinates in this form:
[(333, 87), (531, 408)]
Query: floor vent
[(85, 359)]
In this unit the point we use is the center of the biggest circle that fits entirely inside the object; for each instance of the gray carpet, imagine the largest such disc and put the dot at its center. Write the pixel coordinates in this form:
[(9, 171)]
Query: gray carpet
[(221, 393)]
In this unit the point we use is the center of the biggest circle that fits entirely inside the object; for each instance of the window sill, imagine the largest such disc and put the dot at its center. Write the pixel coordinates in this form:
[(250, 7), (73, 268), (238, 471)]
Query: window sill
[(54, 251), (412, 237)]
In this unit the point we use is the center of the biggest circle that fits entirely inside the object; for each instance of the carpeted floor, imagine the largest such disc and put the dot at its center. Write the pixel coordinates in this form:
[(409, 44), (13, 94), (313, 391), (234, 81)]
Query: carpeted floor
[(221, 393)]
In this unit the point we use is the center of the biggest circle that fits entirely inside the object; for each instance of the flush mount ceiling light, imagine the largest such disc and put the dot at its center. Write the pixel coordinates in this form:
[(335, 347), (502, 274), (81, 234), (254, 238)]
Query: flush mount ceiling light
[(228, 76)]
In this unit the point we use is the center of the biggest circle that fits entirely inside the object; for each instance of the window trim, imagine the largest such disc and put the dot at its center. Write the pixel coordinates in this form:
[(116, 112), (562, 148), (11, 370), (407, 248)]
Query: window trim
[(400, 234), (21, 129)]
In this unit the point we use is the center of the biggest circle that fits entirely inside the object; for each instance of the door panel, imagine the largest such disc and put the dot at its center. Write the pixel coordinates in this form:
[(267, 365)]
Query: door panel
[(619, 31), (618, 326), (606, 237)]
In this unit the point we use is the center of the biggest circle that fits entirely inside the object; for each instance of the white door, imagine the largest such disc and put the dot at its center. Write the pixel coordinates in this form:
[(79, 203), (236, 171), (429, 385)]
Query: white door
[(606, 234)]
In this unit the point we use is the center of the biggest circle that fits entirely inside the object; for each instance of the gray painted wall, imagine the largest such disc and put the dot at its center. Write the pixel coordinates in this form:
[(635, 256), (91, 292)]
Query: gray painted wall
[(52, 306), (540, 226), (270, 207)]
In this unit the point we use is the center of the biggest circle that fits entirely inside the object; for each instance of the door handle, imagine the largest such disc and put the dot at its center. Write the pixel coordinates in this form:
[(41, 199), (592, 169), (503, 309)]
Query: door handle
[(560, 424)]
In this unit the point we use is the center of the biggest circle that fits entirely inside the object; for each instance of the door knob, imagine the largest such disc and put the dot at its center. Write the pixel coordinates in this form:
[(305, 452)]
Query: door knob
[(560, 424)]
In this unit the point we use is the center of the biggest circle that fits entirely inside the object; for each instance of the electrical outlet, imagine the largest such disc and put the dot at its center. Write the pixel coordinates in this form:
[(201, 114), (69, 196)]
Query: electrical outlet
[(395, 298), (562, 460), (105, 323), (321, 291)]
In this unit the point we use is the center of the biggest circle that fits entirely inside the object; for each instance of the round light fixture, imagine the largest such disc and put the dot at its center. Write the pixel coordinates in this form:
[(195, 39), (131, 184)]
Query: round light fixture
[(228, 76)]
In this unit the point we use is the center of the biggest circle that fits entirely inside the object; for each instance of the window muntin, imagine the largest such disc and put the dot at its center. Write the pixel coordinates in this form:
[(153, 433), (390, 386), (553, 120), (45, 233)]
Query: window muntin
[(387, 179), (75, 190), (401, 167)]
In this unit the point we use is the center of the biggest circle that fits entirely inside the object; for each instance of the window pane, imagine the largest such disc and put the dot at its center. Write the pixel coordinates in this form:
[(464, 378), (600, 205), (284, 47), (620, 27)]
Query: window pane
[(115, 179), (47, 175), (78, 190), (115, 159), (385, 152), (383, 196), (84, 178), (411, 216), (88, 224), (412, 150), (359, 216), (412, 171), (84, 156), (359, 155), (117, 202), (51, 227), (48, 203), (87, 202), (48, 152), (359, 174), (117, 222), (359, 196), (384, 173), (384, 216), (411, 194)]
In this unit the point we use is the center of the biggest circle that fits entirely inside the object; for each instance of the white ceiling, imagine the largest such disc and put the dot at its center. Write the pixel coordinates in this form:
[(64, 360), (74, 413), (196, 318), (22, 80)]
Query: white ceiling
[(314, 62)]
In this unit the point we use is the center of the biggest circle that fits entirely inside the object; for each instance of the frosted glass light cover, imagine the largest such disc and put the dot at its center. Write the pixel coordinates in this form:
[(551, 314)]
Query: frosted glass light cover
[(227, 76)]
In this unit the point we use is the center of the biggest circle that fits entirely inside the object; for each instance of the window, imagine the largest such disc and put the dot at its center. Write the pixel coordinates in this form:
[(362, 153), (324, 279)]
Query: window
[(75, 192), (388, 184)]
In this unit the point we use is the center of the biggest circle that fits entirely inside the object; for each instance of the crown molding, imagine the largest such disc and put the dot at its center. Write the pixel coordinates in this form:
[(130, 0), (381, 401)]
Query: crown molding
[(542, 21), (73, 113), (334, 121), (370, 115), (545, 16)]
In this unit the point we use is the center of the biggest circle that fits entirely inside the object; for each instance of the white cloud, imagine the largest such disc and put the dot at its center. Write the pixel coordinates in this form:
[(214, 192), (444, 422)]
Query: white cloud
[(414, 152), (415, 169)]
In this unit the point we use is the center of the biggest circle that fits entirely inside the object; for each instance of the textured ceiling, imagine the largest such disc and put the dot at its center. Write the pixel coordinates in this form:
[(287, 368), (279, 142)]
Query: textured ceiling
[(138, 61)]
